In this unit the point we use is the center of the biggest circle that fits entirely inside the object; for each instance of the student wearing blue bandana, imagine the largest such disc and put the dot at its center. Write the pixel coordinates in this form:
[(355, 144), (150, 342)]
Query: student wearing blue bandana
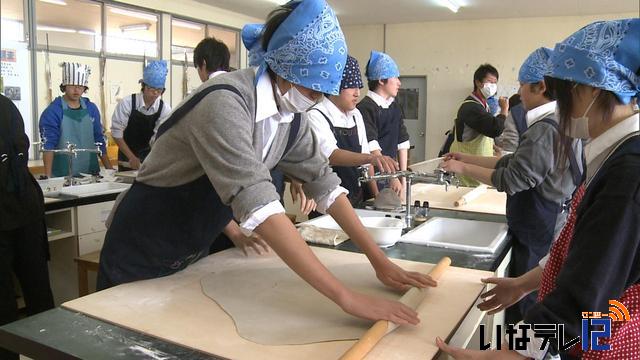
[(341, 134), (538, 187), (211, 162), (383, 118), (138, 116), (595, 76)]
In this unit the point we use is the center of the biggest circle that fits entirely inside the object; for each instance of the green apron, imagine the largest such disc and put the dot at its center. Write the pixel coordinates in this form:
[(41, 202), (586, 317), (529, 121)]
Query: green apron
[(76, 127), (481, 146)]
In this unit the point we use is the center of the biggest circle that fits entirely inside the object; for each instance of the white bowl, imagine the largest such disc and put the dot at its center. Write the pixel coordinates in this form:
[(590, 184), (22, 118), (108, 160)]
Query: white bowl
[(385, 231)]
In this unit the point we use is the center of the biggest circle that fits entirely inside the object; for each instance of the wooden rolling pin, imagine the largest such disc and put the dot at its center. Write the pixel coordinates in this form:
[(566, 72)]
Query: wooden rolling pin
[(411, 298), (471, 195)]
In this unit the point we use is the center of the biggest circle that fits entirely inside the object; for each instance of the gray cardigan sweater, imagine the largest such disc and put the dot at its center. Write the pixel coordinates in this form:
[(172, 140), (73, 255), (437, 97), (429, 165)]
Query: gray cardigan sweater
[(533, 165), (220, 137)]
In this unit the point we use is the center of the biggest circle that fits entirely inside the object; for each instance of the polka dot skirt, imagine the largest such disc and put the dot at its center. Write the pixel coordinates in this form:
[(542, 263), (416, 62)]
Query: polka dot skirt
[(625, 335)]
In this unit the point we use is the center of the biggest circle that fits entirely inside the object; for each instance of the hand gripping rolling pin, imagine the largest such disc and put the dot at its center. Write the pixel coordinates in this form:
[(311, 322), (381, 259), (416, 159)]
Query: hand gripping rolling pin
[(411, 298)]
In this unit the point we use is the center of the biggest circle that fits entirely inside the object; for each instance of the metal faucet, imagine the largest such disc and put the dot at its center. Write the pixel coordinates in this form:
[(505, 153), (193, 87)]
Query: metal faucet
[(438, 176), (71, 151)]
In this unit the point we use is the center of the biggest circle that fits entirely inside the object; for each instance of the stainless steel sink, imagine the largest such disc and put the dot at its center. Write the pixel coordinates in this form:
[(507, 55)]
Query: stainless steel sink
[(469, 235), (94, 189)]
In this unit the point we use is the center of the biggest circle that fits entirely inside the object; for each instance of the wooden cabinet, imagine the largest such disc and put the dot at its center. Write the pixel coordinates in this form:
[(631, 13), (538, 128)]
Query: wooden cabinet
[(89, 243), (91, 217), (73, 232)]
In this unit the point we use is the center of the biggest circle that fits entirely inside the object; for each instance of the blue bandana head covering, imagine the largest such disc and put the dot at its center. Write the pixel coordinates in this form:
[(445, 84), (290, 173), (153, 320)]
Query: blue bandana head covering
[(252, 40), (535, 67), (308, 48), (604, 55), (351, 78), (155, 74), (381, 66)]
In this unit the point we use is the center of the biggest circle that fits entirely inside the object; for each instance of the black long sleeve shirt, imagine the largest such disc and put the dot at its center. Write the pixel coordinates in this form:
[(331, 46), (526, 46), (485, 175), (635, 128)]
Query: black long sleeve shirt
[(474, 119)]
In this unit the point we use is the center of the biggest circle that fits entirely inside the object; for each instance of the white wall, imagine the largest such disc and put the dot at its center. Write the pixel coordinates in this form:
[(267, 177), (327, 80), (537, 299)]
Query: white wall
[(448, 52)]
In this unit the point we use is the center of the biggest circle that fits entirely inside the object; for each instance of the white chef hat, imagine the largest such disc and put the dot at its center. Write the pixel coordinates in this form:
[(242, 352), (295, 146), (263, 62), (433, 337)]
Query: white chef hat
[(75, 74)]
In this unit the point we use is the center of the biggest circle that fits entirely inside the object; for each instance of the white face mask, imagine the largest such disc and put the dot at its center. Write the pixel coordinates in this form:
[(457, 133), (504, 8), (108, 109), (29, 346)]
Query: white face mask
[(489, 89), (294, 101), (579, 127)]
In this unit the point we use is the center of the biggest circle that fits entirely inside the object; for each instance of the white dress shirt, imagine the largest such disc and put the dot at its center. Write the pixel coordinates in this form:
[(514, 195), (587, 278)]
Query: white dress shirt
[(120, 118), (338, 118), (268, 114), (216, 73), (383, 103)]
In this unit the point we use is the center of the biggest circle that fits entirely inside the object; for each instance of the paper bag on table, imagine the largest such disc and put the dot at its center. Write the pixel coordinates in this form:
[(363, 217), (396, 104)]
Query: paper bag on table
[(322, 236)]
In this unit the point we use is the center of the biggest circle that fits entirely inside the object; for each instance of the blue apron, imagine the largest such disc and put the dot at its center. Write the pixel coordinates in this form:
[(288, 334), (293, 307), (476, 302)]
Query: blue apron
[(388, 124), (157, 231), (532, 220), (76, 127), (347, 139), (138, 133)]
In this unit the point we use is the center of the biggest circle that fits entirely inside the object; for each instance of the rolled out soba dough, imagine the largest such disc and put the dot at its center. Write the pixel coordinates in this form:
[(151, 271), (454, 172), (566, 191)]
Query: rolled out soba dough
[(273, 306)]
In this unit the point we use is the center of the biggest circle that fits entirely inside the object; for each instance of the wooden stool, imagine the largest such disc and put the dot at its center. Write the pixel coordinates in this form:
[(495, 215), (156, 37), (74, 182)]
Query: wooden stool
[(86, 263)]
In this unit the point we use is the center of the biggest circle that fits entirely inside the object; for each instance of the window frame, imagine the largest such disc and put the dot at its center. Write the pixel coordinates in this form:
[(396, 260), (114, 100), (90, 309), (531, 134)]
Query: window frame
[(206, 33)]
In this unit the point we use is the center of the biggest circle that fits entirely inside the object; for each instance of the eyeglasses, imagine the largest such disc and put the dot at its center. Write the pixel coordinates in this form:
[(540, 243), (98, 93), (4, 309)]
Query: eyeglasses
[(159, 90)]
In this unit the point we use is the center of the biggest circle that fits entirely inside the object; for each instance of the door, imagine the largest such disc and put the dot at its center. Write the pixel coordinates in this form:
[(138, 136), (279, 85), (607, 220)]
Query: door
[(412, 98)]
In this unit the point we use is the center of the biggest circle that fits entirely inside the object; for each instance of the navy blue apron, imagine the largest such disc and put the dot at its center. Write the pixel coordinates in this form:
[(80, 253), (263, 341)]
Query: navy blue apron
[(157, 231), (532, 220), (138, 133), (347, 139), (388, 123), (519, 115)]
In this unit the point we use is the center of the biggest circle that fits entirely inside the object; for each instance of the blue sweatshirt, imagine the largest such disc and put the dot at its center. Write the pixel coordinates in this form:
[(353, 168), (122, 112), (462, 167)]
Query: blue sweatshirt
[(51, 118)]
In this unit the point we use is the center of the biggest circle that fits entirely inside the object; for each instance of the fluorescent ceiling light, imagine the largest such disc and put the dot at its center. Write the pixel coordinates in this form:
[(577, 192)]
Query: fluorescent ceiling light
[(451, 4), (135, 27), (55, 2), (134, 14), (279, 2), (56, 29), (87, 32), (186, 24)]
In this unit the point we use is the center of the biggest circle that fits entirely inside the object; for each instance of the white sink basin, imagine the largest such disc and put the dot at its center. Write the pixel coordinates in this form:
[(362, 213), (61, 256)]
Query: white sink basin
[(94, 189), (469, 235)]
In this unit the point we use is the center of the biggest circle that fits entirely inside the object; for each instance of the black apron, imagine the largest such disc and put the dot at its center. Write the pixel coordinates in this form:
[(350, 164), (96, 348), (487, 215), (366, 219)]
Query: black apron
[(532, 219), (157, 231), (347, 139), (388, 124), (138, 133)]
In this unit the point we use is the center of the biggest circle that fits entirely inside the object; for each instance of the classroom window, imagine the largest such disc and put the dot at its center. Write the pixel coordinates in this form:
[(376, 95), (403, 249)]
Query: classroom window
[(55, 20), (12, 20), (185, 35), (230, 38), (131, 32)]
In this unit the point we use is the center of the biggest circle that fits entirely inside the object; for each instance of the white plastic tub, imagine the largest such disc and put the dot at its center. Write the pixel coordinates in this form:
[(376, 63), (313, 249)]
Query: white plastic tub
[(469, 235)]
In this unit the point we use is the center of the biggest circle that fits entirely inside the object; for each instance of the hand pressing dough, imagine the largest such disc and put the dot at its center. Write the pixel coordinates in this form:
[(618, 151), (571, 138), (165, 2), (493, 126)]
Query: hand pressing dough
[(274, 306)]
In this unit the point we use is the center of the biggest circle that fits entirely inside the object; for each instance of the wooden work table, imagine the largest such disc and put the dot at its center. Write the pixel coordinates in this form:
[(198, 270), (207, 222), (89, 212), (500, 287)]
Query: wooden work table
[(62, 333), (70, 334)]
